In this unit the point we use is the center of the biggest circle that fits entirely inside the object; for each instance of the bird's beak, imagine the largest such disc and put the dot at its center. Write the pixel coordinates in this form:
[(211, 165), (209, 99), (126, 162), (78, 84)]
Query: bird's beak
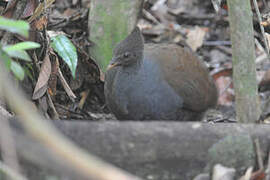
[(113, 63)]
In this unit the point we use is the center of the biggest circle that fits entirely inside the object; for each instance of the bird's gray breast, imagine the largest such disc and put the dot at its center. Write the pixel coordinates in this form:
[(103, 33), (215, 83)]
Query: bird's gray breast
[(144, 94)]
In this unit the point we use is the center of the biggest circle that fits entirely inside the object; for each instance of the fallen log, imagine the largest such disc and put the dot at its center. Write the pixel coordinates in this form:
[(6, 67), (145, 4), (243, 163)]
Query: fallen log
[(160, 150)]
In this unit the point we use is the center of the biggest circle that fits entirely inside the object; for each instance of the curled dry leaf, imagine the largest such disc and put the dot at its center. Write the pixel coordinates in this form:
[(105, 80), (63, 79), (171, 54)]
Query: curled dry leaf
[(43, 78)]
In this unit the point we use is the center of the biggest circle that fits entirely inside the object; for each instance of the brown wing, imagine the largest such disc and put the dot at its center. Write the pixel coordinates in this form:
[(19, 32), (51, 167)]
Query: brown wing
[(187, 75)]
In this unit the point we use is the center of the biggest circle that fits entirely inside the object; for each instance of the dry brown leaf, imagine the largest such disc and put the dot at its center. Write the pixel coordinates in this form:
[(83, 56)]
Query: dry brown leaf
[(69, 12), (28, 11), (258, 175), (223, 72), (41, 23), (223, 79), (53, 78), (40, 9), (9, 9), (43, 78), (30, 8), (226, 94)]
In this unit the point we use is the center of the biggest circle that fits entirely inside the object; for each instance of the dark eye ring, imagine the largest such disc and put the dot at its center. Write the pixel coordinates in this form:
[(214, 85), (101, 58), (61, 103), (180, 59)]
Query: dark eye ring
[(126, 54)]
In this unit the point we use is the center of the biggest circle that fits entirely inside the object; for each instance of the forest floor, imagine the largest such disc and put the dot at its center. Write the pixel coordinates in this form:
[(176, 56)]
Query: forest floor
[(194, 23)]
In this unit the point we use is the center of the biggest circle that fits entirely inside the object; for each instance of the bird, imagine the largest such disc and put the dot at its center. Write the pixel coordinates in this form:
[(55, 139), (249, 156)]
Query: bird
[(147, 81)]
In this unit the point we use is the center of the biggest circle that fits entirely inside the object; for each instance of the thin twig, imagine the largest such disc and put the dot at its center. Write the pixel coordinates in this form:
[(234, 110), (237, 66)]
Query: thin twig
[(217, 43), (51, 105), (259, 154), (261, 27), (66, 87)]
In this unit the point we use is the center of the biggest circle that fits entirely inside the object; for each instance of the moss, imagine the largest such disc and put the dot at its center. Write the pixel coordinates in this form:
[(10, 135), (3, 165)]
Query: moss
[(232, 151), (112, 27)]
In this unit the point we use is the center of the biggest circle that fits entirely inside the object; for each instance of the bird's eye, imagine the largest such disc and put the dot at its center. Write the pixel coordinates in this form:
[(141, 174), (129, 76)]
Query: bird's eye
[(126, 55)]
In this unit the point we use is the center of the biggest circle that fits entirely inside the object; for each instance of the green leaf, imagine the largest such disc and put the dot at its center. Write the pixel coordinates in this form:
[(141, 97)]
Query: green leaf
[(21, 54), (22, 46), (64, 48), (4, 57), (17, 70), (20, 27)]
